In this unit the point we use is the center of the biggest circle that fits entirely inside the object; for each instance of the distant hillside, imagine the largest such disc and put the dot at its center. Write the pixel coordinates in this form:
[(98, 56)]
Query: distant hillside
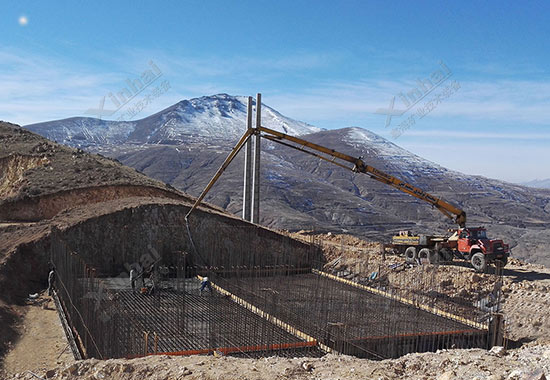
[(538, 183), (185, 144)]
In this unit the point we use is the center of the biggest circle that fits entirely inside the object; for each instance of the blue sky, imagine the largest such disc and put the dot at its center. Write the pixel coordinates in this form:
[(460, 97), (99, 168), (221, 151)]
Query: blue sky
[(331, 64)]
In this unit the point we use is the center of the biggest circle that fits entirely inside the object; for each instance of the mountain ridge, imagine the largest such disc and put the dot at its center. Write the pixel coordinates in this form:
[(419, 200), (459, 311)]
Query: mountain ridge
[(538, 183), (300, 192), (196, 119)]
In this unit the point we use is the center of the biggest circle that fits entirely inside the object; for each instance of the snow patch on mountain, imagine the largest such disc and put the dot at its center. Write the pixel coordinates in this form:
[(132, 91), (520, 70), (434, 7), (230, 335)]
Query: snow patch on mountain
[(206, 119), (84, 131)]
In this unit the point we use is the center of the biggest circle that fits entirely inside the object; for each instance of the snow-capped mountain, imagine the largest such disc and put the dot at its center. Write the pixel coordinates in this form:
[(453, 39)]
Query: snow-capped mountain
[(208, 119), (184, 145)]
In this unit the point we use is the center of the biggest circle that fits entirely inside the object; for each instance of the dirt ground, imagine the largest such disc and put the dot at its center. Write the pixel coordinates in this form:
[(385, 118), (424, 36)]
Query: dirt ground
[(525, 363), (42, 343)]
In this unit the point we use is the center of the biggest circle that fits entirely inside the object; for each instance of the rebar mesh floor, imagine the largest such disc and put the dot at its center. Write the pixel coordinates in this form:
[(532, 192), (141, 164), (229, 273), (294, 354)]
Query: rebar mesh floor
[(188, 321), (333, 311), (179, 318)]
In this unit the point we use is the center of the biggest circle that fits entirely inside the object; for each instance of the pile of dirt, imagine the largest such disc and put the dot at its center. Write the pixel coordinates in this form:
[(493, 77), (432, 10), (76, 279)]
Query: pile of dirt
[(525, 363), (344, 246)]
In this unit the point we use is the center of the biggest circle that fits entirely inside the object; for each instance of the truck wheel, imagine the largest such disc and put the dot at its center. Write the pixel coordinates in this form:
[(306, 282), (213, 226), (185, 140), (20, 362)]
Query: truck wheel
[(424, 255), (410, 255), (479, 262)]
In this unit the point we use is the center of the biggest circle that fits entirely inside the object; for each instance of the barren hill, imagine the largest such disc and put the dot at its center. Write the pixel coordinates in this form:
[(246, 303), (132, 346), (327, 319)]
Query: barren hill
[(39, 178)]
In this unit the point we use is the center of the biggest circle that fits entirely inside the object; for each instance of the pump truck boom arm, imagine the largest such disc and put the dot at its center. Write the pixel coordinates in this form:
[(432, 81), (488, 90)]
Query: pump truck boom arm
[(330, 155), (359, 166)]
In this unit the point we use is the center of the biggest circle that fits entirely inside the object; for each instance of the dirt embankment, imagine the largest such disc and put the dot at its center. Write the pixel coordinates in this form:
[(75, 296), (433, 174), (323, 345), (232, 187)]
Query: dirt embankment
[(526, 363), (47, 206), (12, 169)]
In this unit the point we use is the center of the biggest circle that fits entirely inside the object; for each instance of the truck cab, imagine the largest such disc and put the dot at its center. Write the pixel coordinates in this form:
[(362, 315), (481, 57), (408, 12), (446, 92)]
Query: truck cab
[(473, 244)]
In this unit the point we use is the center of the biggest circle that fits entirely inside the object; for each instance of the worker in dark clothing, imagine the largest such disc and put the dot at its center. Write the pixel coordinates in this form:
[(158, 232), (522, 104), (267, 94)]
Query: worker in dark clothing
[(133, 275), (205, 283), (51, 281)]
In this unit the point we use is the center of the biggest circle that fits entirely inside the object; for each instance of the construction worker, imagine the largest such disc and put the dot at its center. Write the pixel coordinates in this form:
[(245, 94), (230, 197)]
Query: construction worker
[(51, 281), (205, 283), (133, 274), (151, 287)]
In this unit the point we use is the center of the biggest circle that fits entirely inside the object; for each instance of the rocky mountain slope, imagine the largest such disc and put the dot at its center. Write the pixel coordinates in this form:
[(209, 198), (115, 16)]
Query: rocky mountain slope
[(184, 144), (209, 119)]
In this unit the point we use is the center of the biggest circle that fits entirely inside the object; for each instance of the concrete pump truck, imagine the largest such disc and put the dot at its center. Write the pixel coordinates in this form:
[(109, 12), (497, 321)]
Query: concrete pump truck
[(463, 242)]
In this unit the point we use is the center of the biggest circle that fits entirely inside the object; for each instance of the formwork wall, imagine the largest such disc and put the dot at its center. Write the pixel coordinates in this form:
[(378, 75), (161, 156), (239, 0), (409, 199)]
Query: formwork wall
[(112, 243)]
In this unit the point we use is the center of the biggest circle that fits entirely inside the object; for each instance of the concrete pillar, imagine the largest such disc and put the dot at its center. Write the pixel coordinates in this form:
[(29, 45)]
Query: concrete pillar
[(256, 166), (247, 185)]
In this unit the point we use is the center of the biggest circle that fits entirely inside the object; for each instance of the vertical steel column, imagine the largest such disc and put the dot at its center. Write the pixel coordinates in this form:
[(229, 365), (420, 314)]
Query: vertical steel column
[(247, 185), (256, 167)]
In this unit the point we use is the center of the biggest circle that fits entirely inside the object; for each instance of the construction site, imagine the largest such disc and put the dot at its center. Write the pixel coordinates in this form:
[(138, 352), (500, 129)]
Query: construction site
[(194, 282), (257, 304), (141, 270)]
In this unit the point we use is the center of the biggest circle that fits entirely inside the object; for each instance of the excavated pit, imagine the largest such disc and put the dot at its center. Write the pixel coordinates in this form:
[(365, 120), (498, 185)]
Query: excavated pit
[(267, 299)]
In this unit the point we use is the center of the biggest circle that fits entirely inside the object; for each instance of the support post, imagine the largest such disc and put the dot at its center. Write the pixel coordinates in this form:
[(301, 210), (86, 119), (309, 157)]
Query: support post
[(256, 166), (247, 185)]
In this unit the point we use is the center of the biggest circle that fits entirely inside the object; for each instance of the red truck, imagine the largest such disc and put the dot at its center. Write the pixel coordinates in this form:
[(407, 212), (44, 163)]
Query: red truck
[(471, 244)]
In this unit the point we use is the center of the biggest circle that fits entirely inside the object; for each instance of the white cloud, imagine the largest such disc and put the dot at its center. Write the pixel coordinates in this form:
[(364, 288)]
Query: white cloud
[(36, 88)]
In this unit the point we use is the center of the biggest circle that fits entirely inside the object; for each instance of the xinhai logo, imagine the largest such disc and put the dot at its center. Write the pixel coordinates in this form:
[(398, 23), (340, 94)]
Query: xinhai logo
[(120, 98), (411, 97)]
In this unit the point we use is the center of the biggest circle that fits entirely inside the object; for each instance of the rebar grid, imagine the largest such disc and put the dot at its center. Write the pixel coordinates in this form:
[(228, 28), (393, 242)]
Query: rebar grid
[(112, 320), (377, 316), (348, 319)]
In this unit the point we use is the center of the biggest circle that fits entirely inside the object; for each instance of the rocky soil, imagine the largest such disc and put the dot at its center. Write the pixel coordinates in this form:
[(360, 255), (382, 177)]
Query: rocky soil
[(525, 363)]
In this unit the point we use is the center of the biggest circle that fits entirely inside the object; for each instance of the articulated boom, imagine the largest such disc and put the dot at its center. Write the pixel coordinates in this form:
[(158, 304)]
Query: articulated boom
[(359, 166)]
